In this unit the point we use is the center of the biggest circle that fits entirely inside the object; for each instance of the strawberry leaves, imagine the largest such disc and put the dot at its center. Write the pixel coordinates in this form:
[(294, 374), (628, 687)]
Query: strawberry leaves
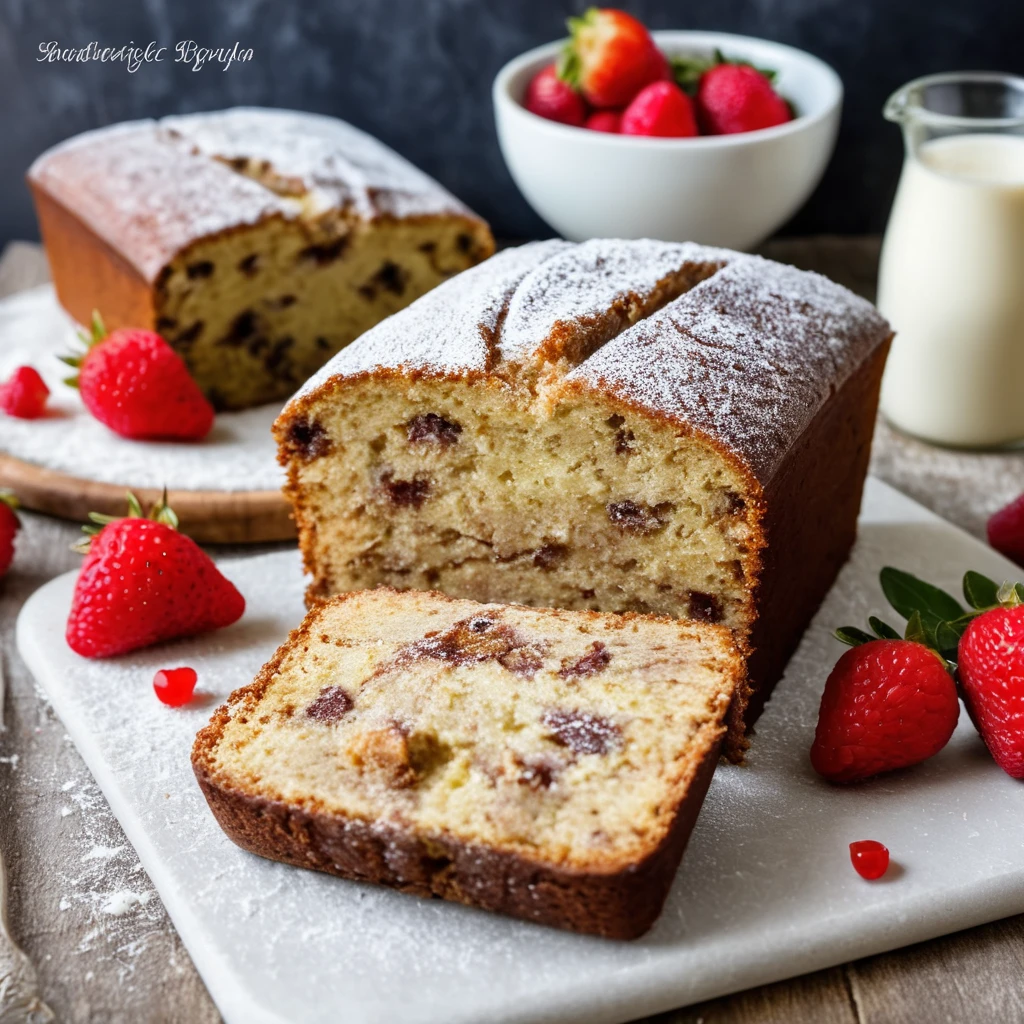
[(688, 71), (934, 617)]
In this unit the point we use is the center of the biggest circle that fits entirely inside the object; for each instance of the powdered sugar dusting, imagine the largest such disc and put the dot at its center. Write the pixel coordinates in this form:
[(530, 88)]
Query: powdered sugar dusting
[(452, 328), (150, 188), (582, 282), (238, 455), (150, 196), (345, 165), (748, 356)]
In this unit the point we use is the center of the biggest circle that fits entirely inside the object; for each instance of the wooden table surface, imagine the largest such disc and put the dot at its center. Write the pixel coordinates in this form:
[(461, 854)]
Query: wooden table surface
[(67, 856)]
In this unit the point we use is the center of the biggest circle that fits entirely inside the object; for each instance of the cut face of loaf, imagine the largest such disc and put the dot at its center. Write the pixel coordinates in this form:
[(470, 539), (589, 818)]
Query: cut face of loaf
[(621, 426), (545, 764), (257, 242)]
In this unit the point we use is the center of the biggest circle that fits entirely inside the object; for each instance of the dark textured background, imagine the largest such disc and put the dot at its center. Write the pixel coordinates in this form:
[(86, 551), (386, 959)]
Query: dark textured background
[(417, 74)]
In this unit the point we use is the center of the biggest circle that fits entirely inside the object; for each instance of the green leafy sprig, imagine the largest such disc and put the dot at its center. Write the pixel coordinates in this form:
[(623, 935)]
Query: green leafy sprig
[(934, 617), (161, 512)]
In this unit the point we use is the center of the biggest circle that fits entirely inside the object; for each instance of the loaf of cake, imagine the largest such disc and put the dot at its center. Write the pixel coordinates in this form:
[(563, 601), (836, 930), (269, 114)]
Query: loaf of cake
[(543, 764), (257, 242), (615, 426)]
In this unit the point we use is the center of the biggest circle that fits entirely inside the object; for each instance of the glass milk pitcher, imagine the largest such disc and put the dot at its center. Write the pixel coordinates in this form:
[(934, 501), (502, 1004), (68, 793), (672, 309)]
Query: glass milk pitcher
[(951, 280)]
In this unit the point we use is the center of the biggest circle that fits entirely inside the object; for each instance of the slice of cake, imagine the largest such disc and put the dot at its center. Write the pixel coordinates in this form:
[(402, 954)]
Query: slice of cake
[(257, 242), (617, 425), (544, 764)]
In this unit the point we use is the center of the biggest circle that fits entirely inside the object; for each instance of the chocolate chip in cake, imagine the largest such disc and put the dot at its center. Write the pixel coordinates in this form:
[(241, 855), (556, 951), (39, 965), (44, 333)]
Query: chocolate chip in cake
[(635, 517), (324, 252), (429, 428), (275, 357), (465, 242), (582, 732), (550, 556), (308, 439), (587, 594), (537, 773), (249, 265), (390, 278), (471, 641), (704, 607), (596, 659), (322, 343), (281, 302), (331, 706), (165, 324), (242, 327), (734, 503), (427, 247), (624, 442), (190, 334), (405, 493), (197, 271)]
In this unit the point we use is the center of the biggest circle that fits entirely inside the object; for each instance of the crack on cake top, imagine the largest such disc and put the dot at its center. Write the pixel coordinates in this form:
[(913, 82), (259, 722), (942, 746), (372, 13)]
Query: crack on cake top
[(152, 188), (734, 346)]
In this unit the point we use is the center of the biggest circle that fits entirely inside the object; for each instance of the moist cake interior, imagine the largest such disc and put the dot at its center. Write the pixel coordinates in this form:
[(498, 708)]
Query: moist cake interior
[(521, 485), (566, 738), (254, 312)]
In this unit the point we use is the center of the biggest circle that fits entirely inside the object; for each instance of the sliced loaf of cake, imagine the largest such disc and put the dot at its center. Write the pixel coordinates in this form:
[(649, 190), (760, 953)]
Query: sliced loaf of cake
[(544, 764), (257, 242), (618, 426)]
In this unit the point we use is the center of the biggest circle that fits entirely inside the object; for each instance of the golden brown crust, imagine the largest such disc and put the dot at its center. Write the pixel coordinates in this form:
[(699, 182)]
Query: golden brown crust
[(612, 897)]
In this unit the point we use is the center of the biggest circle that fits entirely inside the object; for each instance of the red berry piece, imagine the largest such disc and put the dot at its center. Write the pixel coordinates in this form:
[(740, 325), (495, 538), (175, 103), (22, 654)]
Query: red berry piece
[(1006, 530), (661, 109), (735, 98), (610, 57), (887, 704), (133, 382), (604, 121), (9, 526), (991, 668), (175, 686), (548, 96), (870, 858), (24, 394), (141, 583)]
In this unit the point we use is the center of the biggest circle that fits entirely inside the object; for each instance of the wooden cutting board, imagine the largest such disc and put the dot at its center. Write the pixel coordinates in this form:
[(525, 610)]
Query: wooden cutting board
[(225, 489)]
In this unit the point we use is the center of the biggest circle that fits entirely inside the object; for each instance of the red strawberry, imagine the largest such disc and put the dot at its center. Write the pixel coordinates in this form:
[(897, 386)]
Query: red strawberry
[(991, 669), (24, 394), (548, 96), (610, 57), (1006, 530), (133, 382), (887, 704), (141, 583), (738, 98), (660, 109), (604, 121), (9, 526)]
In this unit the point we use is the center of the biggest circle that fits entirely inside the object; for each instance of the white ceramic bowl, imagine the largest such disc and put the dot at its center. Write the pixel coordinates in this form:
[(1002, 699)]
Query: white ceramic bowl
[(728, 190)]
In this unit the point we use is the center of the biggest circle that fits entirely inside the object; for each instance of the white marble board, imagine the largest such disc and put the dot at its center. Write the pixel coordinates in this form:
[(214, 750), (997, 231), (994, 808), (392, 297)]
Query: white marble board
[(766, 890)]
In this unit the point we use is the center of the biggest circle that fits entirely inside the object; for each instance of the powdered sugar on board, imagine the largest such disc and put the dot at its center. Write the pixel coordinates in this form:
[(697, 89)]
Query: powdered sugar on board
[(238, 455), (765, 891)]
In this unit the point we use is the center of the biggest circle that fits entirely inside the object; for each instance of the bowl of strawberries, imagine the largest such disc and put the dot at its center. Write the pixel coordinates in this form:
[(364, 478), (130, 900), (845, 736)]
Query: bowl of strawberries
[(709, 137)]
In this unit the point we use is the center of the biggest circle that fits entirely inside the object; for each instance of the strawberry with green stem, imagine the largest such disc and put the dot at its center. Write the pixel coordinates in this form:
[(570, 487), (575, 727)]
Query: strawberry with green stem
[(133, 382), (982, 645), (143, 582)]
